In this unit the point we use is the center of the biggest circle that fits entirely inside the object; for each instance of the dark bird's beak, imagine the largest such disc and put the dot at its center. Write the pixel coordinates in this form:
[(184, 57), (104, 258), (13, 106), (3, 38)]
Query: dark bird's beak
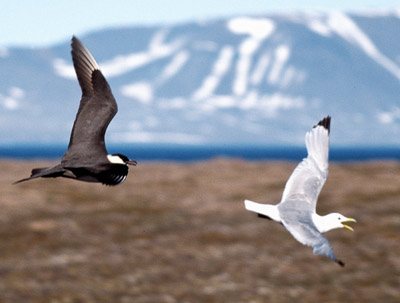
[(131, 162)]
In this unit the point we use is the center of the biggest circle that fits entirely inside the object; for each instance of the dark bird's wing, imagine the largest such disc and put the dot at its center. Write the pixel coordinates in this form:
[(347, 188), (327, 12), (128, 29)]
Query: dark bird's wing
[(310, 175), (96, 110), (46, 172)]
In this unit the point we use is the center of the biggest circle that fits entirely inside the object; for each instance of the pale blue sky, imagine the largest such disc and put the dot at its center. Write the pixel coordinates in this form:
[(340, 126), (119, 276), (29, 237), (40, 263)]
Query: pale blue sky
[(42, 22)]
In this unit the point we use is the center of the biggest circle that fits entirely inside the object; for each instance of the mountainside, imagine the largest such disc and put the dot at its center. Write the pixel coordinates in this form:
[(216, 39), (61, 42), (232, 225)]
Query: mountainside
[(245, 80)]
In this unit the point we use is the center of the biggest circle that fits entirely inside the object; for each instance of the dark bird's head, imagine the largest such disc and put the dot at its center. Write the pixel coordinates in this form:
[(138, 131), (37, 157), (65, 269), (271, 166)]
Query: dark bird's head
[(120, 159)]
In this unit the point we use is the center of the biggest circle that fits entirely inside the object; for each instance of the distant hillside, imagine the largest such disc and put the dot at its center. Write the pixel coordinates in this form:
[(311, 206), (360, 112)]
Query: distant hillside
[(260, 79)]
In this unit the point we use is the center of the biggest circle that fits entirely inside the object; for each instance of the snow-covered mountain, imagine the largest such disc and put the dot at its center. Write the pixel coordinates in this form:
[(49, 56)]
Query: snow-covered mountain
[(247, 80)]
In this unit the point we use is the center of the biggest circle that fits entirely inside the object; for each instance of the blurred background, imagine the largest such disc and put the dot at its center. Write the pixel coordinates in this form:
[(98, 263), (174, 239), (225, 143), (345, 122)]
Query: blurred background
[(230, 73), (218, 81)]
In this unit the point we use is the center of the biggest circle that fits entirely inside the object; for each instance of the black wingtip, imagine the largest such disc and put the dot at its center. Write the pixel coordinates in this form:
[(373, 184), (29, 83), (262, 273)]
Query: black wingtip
[(22, 180), (340, 262), (76, 44), (326, 123), (74, 39)]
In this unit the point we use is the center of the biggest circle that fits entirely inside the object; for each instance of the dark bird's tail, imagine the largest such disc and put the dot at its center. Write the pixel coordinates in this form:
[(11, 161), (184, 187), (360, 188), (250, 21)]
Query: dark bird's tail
[(46, 172)]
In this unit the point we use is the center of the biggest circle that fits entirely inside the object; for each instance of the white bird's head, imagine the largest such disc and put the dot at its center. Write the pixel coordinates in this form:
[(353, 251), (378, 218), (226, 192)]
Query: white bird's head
[(336, 220), (331, 221)]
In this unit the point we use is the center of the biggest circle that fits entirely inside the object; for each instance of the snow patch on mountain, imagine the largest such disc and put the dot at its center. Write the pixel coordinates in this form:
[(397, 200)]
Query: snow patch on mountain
[(160, 137), (292, 76), (346, 28), (4, 52), (12, 100), (389, 117), (268, 105), (379, 12), (339, 23), (320, 27), (205, 45), (258, 28), (257, 31), (177, 62), (219, 69), (122, 64), (260, 69), (141, 91), (236, 80), (281, 56)]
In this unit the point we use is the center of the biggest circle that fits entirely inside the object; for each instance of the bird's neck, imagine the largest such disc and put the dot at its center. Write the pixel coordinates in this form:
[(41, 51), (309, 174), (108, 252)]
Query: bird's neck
[(322, 223)]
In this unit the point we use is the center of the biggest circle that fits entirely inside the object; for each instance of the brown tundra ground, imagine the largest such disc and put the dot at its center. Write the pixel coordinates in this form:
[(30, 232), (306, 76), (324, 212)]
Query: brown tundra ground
[(178, 232)]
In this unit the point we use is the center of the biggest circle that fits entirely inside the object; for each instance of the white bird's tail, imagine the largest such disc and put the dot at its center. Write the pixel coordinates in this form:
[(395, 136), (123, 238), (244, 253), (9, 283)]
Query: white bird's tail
[(268, 210)]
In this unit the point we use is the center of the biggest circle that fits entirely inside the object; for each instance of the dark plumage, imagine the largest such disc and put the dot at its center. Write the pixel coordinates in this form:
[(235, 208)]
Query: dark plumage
[(326, 123), (86, 158)]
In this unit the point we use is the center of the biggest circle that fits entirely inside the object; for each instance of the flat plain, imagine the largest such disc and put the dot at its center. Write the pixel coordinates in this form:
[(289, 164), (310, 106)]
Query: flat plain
[(178, 232)]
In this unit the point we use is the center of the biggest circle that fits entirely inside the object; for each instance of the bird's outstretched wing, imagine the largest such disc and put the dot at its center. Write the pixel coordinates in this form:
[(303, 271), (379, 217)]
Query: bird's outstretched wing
[(310, 175), (96, 109), (299, 223)]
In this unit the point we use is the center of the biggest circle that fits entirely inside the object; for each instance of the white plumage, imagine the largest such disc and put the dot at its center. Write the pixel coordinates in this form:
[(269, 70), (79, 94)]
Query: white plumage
[(297, 209)]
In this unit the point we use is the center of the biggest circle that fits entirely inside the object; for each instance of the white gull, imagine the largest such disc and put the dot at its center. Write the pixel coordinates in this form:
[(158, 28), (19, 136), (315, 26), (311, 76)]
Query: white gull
[(297, 209)]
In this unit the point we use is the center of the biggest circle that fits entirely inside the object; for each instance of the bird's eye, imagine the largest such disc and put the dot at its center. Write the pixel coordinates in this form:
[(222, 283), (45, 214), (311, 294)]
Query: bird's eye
[(338, 218)]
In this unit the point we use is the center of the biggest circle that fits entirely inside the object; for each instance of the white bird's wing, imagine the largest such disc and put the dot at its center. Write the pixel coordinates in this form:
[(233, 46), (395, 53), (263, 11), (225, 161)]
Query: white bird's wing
[(308, 235), (310, 175), (299, 223)]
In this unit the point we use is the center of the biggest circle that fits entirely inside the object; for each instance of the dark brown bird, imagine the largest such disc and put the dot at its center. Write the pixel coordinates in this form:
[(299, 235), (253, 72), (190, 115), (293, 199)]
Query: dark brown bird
[(87, 158)]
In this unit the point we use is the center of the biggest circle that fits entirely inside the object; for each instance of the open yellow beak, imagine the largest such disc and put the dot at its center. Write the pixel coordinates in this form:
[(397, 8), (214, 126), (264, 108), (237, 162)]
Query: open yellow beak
[(348, 220)]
